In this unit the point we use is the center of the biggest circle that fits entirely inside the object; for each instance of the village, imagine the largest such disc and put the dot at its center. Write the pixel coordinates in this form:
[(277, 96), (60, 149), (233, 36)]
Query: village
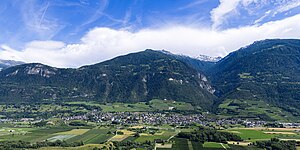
[(159, 118)]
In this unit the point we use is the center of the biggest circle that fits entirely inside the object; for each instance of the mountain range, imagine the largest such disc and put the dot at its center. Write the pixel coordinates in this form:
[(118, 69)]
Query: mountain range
[(134, 77), (261, 79)]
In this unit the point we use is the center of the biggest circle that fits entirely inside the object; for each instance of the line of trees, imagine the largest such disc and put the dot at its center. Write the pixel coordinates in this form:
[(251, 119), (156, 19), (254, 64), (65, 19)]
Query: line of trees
[(8, 145), (276, 144), (148, 145), (209, 135)]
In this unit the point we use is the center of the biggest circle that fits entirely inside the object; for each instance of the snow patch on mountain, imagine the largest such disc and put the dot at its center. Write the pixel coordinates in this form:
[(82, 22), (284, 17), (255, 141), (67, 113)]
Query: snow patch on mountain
[(200, 57), (208, 58)]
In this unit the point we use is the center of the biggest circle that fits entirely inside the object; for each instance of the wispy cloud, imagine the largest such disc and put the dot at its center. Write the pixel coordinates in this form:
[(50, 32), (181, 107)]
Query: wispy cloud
[(43, 15), (98, 13), (282, 7), (228, 9), (127, 17), (263, 17), (84, 2), (193, 4), (288, 6), (36, 20), (94, 15)]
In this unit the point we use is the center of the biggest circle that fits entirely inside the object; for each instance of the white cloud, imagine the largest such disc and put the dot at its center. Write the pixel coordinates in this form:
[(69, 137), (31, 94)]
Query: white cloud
[(49, 45), (104, 43), (218, 15), (267, 13)]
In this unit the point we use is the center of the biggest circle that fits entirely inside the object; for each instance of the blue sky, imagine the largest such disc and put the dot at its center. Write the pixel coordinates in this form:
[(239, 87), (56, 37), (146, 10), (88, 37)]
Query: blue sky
[(68, 20), (71, 33)]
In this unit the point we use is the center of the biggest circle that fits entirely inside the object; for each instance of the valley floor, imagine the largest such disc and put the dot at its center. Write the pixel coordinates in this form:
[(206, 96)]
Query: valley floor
[(164, 137), (153, 125)]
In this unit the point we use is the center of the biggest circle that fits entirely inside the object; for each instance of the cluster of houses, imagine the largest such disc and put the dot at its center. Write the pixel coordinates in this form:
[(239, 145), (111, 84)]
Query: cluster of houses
[(291, 125), (153, 118), (157, 118)]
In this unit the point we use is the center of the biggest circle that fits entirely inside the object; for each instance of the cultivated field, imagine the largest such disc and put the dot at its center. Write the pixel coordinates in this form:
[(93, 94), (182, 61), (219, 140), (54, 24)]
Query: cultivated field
[(93, 136), (32, 134), (101, 136), (215, 145), (254, 134)]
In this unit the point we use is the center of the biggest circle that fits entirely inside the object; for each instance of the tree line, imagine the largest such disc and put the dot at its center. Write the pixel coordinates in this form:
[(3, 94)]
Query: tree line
[(9, 145), (276, 144), (209, 135)]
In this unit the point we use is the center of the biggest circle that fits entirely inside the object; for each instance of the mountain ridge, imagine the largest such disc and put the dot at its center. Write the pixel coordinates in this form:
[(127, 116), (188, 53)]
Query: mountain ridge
[(140, 76)]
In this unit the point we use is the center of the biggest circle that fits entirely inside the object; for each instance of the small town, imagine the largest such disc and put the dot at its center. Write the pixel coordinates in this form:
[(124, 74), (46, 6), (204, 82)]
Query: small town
[(159, 118)]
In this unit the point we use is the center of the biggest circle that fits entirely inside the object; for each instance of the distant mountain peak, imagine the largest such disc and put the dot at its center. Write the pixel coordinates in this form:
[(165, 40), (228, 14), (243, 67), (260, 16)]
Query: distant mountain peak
[(200, 57), (198, 64), (208, 58), (9, 63)]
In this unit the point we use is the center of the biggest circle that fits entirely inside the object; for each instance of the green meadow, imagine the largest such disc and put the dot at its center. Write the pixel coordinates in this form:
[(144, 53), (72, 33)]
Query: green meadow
[(153, 105)]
